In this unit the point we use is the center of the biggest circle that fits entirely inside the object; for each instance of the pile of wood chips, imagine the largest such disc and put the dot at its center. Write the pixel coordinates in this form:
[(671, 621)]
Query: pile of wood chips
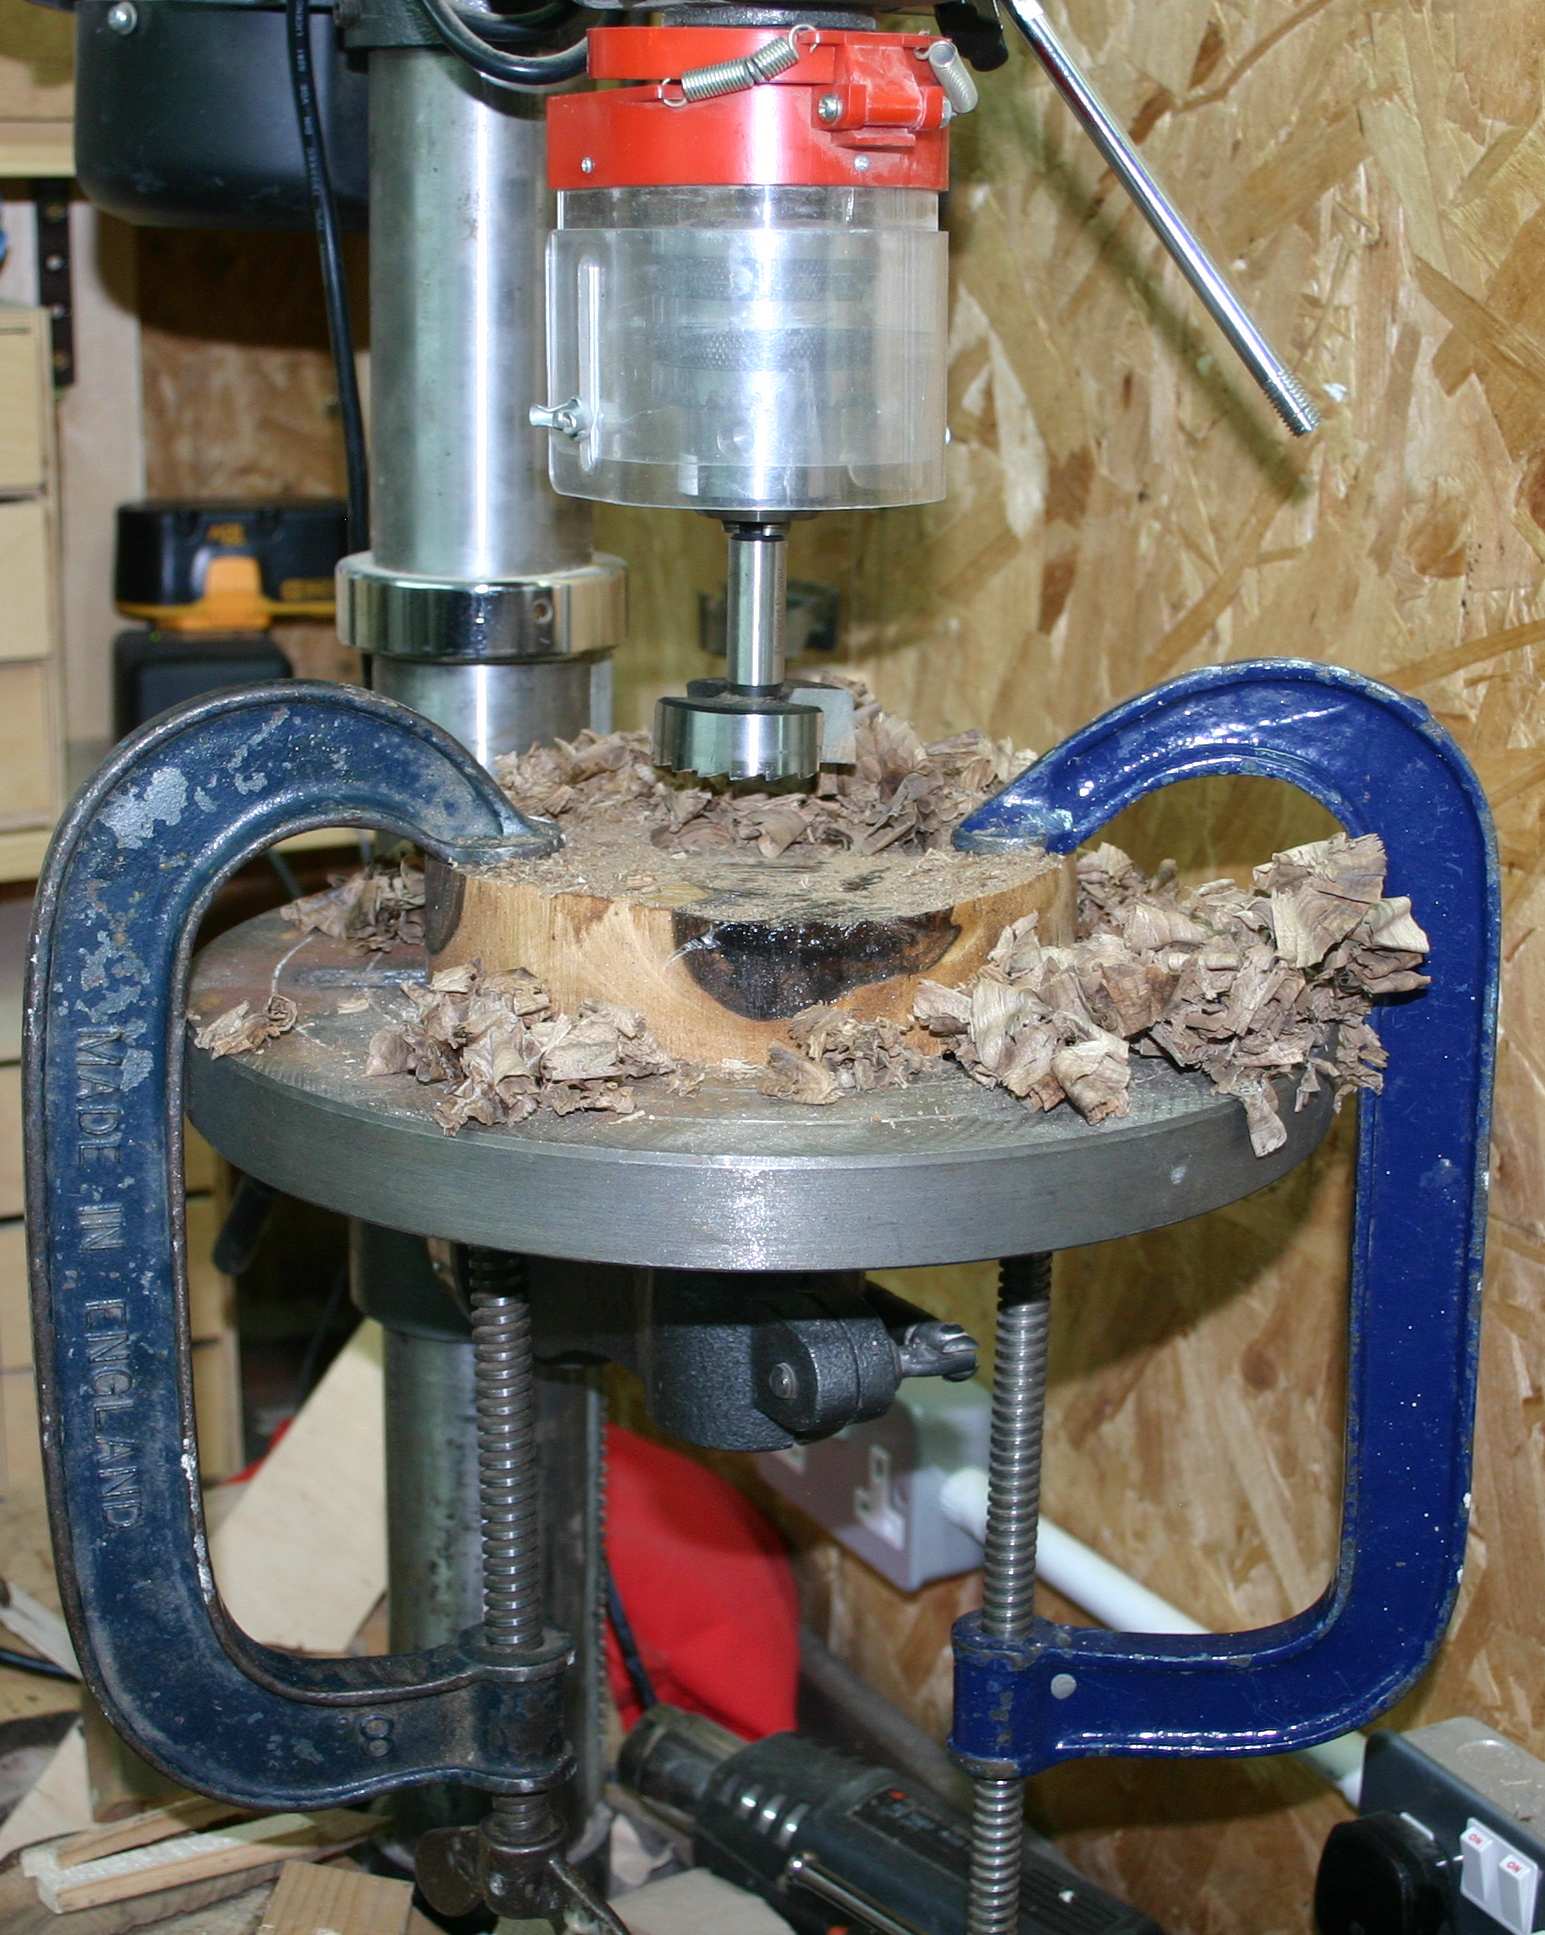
[(1244, 983), (899, 795), (244, 1028), (372, 908), (834, 1053), (504, 1052)]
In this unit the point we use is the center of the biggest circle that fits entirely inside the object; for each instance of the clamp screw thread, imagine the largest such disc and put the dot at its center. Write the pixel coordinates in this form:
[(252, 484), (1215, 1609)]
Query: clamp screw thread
[(1008, 1562), (504, 1398)]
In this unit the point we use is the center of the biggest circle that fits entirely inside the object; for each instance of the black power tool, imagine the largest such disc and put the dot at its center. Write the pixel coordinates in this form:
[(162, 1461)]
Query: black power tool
[(835, 1843)]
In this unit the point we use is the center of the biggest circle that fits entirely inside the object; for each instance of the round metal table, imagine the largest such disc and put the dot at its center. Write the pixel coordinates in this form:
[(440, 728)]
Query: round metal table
[(944, 1171)]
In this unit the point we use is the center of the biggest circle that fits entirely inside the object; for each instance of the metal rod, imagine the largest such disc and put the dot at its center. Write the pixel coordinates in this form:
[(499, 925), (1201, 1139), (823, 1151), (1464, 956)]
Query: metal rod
[(1008, 1565), (459, 215), (806, 1872), (1284, 391), (505, 1402), (756, 605), (506, 1451)]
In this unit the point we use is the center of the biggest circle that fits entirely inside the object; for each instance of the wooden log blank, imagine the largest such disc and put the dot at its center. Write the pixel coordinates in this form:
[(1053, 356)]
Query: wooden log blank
[(719, 951)]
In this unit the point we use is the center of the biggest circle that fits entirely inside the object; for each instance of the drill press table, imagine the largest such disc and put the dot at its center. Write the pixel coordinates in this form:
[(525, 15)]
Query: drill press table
[(725, 1178)]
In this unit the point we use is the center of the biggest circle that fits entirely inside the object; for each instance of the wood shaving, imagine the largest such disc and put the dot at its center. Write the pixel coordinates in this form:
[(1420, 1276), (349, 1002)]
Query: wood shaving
[(373, 908), (240, 1032), (899, 795), (835, 1054), (503, 1052), (1244, 983)]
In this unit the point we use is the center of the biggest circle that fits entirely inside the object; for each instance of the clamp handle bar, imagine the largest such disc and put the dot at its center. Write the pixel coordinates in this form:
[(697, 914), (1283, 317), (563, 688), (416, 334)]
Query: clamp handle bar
[(1381, 764), (1284, 392)]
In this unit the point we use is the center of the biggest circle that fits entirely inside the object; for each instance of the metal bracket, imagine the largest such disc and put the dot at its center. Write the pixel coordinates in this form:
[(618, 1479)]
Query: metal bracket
[(1382, 765), (134, 864), (56, 291)]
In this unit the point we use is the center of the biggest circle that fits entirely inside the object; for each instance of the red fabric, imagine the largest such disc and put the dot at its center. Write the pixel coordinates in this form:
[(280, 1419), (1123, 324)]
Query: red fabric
[(707, 1586)]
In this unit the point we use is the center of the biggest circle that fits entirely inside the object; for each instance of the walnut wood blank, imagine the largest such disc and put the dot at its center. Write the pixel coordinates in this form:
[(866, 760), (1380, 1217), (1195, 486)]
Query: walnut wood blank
[(718, 955)]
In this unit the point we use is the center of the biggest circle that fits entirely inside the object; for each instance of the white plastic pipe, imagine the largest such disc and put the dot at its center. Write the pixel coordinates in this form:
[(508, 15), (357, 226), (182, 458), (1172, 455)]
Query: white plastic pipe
[(1116, 1599)]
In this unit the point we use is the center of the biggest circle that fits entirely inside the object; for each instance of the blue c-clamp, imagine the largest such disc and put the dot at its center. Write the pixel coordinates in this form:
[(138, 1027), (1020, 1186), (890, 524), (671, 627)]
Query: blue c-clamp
[(192, 796)]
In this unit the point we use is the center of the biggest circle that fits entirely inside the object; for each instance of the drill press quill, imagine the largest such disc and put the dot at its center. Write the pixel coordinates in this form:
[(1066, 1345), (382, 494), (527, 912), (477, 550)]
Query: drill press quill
[(747, 297)]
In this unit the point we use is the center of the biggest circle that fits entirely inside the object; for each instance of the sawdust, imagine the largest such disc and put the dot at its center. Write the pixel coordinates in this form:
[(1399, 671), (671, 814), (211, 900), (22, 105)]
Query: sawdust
[(898, 795), (618, 862), (1243, 983), (503, 1051)]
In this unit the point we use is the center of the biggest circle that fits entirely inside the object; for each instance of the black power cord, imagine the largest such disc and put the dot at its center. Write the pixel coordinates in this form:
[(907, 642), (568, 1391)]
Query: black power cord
[(29, 1663), (324, 209), (494, 63), (627, 1645)]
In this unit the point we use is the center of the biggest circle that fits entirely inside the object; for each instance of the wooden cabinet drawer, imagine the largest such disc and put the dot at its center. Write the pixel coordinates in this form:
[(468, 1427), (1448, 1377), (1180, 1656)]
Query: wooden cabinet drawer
[(25, 401), (29, 752), (26, 579)]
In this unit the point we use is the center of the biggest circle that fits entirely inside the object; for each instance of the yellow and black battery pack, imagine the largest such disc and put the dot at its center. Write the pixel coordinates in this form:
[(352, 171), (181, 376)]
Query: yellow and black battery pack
[(227, 564), (153, 670)]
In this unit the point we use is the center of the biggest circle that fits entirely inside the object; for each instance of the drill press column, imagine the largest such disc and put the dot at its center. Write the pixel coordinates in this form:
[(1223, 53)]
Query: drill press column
[(482, 606), (480, 602)]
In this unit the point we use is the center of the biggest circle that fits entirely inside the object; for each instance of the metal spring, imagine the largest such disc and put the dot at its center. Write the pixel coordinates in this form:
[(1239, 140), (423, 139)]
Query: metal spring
[(953, 76), (506, 1450), (773, 58)]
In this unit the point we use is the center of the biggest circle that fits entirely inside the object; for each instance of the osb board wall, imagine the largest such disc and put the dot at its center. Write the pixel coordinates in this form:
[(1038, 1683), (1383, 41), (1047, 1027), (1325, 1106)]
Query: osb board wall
[(1123, 507), (239, 395), (36, 65)]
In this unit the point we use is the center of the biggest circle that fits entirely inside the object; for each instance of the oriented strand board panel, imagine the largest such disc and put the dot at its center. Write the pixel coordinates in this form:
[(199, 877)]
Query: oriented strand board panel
[(37, 65), (1123, 507), (237, 381)]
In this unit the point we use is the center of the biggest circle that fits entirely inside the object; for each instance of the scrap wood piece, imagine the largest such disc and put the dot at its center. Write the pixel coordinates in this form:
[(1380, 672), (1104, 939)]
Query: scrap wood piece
[(40, 1626), (143, 1830), (300, 1558), (337, 1901), (59, 1801), (228, 1905), (698, 1903), (263, 1843)]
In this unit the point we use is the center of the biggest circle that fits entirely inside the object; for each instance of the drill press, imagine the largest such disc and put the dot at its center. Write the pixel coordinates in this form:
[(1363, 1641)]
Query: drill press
[(744, 316)]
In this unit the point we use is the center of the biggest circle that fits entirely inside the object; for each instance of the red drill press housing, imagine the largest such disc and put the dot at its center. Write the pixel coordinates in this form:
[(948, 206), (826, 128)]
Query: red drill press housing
[(857, 110)]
